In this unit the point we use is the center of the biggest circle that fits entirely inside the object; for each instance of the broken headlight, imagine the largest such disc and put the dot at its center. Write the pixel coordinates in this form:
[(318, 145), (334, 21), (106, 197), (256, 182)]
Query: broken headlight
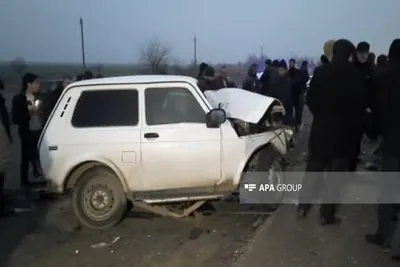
[(276, 116)]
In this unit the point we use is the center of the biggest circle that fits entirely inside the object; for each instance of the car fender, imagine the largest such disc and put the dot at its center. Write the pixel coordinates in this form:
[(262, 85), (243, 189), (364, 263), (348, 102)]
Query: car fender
[(255, 142), (75, 163)]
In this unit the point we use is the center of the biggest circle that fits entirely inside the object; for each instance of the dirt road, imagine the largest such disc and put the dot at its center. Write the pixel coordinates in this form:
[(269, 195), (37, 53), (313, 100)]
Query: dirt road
[(45, 234)]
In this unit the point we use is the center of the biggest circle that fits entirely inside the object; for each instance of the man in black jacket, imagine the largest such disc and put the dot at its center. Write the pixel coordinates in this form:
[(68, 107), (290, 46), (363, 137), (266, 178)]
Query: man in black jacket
[(337, 100), (388, 106), (223, 80), (251, 82), (5, 147), (208, 80), (363, 64), (264, 79), (4, 114), (26, 114)]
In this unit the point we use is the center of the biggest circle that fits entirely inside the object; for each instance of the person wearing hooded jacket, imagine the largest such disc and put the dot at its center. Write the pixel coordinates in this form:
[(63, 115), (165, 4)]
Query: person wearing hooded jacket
[(337, 99), (325, 58), (251, 82), (388, 106)]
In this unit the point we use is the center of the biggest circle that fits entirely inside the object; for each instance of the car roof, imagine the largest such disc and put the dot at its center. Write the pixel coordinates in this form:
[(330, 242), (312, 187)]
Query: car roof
[(134, 79)]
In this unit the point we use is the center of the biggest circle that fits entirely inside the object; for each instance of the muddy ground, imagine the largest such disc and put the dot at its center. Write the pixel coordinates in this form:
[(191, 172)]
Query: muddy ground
[(45, 233)]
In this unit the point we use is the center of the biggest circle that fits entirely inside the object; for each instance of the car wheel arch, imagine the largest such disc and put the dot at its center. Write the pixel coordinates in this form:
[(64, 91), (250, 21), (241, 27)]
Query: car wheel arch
[(245, 165), (77, 170)]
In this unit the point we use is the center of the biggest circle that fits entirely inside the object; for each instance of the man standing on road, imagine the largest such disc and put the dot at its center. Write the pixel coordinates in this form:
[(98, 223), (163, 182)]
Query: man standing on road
[(280, 87), (264, 79), (388, 107), (223, 80), (337, 100), (251, 83), (363, 64), (207, 81), (327, 55), (202, 67), (5, 150), (26, 114), (4, 114)]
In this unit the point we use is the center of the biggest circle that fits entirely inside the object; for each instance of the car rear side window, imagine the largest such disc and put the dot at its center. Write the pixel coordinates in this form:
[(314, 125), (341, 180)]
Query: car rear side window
[(172, 105), (106, 108)]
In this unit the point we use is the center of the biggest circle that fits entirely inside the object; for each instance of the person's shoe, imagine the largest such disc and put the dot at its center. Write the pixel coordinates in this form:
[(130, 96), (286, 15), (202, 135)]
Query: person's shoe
[(7, 213), (396, 258), (374, 239), (324, 221), (303, 210)]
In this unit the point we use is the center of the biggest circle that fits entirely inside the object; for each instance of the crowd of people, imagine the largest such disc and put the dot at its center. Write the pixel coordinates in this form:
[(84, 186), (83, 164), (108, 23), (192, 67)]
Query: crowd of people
[(278, 80), (349, 96)]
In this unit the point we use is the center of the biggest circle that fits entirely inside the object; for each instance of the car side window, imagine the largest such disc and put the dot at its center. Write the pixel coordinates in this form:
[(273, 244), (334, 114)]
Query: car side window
[(106, 108), (172, 105)]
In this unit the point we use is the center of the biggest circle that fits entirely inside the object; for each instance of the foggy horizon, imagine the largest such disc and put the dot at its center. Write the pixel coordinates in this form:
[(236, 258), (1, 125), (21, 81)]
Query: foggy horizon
[(49, 31)]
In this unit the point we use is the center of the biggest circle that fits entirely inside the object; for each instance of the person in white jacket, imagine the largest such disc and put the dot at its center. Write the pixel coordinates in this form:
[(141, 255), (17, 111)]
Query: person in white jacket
[(5, 157)]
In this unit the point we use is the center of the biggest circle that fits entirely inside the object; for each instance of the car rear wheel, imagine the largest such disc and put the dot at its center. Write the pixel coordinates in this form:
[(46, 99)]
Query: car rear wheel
[(99, 200)]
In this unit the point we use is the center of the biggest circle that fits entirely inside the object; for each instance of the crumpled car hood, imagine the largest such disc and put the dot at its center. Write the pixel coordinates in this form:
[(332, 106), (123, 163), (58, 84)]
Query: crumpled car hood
[(240, 104)]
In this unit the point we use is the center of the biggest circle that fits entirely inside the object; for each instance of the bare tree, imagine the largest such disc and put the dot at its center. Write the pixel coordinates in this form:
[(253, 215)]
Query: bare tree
[(18, 65), (155, 56)]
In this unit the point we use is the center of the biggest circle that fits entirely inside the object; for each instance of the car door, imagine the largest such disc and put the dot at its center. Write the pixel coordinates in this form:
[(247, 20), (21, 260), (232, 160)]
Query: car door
[(178, 150)]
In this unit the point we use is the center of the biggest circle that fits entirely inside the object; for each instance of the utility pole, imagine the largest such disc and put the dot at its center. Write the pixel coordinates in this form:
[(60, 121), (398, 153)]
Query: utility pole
[(262, 50), (195, 50), (82, 45)]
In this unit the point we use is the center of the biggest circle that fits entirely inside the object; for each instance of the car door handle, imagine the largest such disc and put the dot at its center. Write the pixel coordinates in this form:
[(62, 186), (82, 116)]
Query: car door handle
[(151, 135)]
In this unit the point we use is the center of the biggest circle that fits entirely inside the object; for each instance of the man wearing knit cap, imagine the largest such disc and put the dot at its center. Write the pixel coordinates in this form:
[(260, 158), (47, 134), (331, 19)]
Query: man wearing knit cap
[(328, 49), (364, 66)]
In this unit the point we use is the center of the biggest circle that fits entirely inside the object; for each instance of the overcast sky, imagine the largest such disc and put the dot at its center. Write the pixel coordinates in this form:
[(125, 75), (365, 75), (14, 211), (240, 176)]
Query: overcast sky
[(226, 30)]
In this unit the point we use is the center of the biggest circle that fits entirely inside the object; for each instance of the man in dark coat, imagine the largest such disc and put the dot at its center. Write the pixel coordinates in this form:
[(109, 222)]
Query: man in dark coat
[(5, 149), (4, 114), (364, 65), (223, 80), (202, 67), (275, 63), (337, 99), (388, 106), (280, 87), (264, 79), (381, 65), (251, 82), (208, 81)]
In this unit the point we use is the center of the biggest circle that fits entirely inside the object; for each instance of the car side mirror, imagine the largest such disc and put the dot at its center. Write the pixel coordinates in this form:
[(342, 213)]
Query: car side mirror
[(215, 118)]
